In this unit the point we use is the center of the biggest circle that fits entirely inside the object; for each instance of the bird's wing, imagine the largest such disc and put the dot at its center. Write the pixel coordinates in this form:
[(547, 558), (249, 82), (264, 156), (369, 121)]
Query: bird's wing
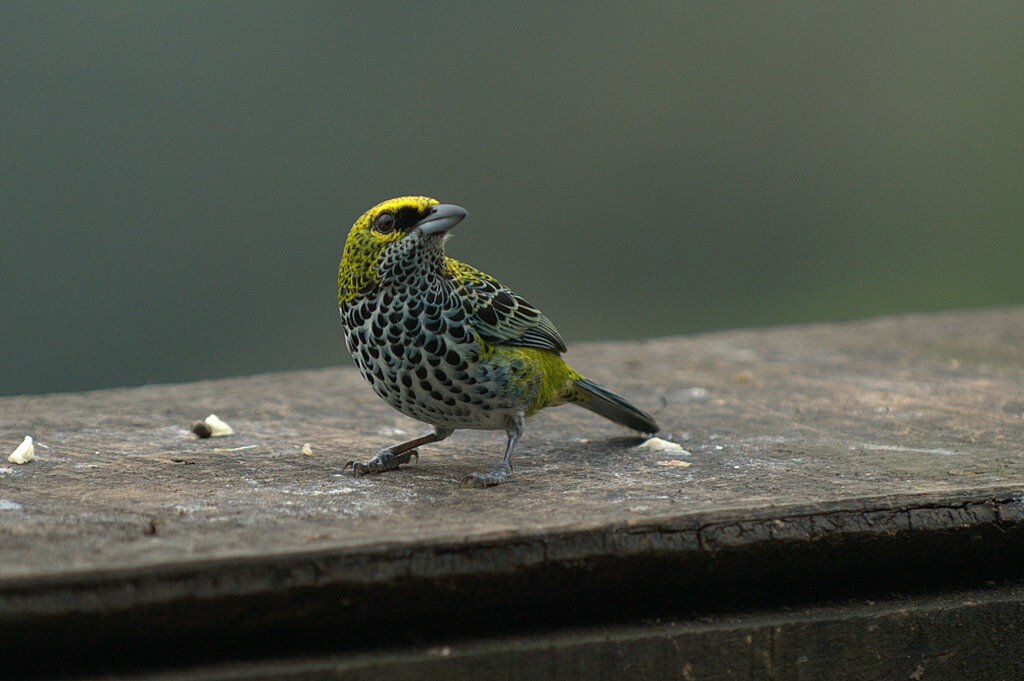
[(499, 315)]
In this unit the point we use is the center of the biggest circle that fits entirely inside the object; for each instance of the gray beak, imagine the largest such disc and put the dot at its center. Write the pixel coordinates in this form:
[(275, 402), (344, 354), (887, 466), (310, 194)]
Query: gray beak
[(441, 218)]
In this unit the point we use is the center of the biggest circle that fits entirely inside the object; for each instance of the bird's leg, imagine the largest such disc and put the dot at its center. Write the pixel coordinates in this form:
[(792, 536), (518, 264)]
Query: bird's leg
[(394, 456), (501, 471)]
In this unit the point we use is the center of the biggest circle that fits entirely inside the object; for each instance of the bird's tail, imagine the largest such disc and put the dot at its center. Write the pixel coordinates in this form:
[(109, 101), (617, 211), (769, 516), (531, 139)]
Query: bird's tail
[(590, 395)]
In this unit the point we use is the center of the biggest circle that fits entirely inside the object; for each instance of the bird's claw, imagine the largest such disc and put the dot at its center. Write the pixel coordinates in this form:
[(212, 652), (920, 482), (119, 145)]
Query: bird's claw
[(358, 467), (498, 475), (385, 460), (476, 480)]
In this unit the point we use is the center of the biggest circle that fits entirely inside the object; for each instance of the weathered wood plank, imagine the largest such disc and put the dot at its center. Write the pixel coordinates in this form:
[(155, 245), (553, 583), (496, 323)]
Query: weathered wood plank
[(774, 417), (828, 459)]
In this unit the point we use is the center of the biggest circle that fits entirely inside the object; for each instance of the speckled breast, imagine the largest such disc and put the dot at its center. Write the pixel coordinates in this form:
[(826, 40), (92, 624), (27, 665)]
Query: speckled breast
[(415, 347)]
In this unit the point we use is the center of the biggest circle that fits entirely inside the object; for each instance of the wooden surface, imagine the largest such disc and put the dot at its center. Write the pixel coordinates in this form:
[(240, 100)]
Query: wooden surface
[(806, 446)]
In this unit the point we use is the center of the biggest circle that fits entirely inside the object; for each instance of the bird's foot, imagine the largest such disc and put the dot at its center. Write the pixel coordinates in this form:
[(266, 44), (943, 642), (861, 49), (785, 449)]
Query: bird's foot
[(498, 475), (385, 460)]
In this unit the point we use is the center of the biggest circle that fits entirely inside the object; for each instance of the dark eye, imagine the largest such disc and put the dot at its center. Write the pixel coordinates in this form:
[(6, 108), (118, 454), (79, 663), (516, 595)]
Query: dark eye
[(384, 223)]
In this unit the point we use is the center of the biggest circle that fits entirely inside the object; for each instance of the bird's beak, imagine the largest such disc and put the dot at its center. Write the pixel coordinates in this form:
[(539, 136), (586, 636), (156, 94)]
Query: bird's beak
[(441, 218)]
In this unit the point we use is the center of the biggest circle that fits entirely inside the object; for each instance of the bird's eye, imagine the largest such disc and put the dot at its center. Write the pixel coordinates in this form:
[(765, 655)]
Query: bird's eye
[(384, 223)]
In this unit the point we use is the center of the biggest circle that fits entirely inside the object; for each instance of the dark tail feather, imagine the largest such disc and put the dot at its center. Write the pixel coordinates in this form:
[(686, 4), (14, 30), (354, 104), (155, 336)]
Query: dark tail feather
[(614, 408)]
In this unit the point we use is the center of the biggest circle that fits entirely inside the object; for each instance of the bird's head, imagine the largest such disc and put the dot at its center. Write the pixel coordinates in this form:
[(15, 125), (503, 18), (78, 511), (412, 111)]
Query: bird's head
[(397, 238)]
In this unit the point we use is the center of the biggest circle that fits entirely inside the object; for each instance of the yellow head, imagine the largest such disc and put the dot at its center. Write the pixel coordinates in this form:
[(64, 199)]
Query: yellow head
[(394, 239)]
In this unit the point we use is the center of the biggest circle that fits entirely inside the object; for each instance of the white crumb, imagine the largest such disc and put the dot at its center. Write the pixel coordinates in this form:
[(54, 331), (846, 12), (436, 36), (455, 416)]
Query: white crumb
[(217, 427), (24, 453), (307, 449), (656, 444)]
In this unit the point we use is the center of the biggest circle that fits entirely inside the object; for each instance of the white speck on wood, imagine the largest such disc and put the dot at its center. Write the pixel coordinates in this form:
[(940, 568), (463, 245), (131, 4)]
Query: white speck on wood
[(656, 444), (24, 453), (896, 448), (217, 427), (233, 449)]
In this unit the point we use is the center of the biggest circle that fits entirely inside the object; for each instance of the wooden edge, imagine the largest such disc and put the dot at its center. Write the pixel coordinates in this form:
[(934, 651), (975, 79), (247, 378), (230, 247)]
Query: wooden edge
[(348, 599)]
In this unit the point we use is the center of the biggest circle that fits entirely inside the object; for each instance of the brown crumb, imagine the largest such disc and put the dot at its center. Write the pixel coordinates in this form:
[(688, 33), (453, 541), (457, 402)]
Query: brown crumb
[(202, 429)]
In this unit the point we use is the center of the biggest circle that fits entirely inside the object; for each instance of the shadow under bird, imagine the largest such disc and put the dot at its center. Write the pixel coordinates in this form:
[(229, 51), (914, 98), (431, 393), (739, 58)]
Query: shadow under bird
[(448, 345)]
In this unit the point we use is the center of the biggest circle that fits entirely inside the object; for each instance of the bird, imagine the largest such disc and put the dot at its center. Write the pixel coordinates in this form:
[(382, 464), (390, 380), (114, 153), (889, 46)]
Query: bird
[(447, 344)]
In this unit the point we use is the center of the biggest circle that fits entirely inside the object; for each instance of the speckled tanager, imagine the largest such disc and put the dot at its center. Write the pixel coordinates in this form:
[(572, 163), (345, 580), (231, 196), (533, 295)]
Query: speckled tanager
[(448, 345)]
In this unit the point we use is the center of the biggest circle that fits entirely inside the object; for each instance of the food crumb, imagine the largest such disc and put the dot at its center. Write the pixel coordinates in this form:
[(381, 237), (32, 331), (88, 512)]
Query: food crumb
[(656, 444), (24, 452), (201, 429), (212, 426)]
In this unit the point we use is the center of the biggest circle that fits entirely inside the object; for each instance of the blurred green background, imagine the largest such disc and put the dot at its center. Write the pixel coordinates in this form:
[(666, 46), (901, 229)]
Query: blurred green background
[(178, 178)]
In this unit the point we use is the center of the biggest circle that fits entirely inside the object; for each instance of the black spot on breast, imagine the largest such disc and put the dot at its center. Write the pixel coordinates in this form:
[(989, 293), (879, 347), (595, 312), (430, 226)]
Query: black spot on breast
[(452, 358), (421, 372), (407, 380), (460, 334)]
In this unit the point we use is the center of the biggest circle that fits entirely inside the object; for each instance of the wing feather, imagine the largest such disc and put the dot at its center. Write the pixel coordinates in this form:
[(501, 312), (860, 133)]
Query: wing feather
[(498, 314)]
